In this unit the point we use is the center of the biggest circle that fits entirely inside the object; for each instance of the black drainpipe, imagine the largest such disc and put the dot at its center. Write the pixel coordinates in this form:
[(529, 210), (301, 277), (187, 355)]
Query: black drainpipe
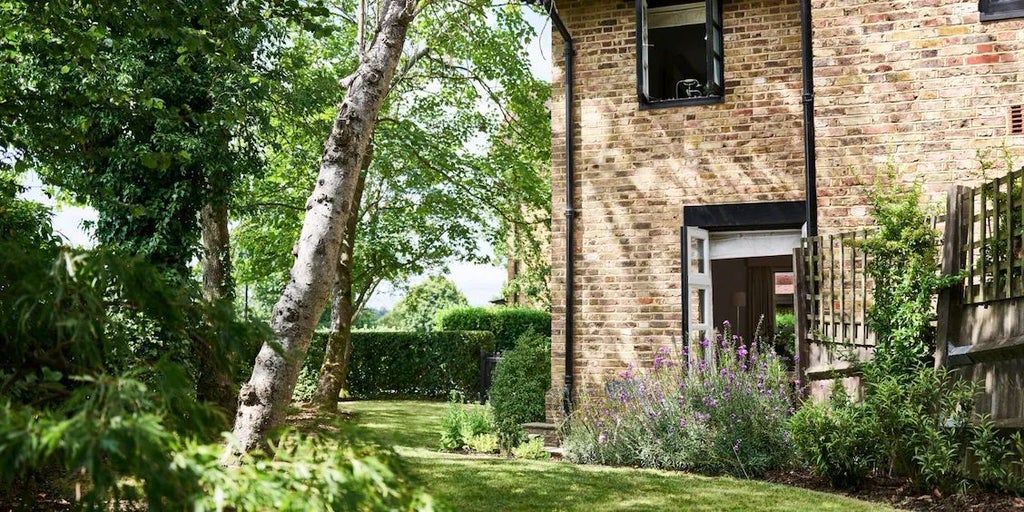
[(810, 168), (570, 212)]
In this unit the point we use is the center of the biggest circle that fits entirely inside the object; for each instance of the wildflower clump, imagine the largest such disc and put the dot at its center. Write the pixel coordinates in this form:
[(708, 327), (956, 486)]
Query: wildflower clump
[(718, 406)]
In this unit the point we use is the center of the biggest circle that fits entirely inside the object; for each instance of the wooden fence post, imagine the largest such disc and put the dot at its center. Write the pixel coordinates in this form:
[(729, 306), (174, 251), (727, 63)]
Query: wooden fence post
[(801, 290), (950, 302)]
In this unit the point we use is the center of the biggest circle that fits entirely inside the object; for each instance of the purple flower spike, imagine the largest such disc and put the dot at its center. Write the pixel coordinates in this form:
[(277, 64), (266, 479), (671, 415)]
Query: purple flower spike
[(603, 438)]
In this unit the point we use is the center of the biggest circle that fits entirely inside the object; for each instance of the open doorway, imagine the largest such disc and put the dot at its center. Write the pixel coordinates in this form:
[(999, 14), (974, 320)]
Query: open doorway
[(745, 278)]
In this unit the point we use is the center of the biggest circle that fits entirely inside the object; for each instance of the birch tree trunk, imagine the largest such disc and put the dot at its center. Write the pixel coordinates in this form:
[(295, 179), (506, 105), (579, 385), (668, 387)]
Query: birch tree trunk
[(215, 383), (338, 352), (263, 400)]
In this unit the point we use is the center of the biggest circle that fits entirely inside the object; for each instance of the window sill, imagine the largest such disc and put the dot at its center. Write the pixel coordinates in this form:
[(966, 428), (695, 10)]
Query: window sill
[(707, 100), (1004, 15)]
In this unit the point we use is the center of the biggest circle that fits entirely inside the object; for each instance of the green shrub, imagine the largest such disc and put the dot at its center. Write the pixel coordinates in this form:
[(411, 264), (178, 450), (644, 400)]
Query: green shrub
[(422, 364), (721, 409), (483, 443), (836, 440), (521, 381), (785, 335), (922, 423), (532, 449), (999, 458), (463, 423), (508, 324)]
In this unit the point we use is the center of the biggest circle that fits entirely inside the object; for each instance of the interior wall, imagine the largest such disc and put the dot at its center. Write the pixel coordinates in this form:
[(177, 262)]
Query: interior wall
[(729, 277)]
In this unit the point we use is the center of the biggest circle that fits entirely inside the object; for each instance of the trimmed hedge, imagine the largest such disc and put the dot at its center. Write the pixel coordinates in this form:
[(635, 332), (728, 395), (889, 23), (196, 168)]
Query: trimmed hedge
[(429, 364), (507, 324)]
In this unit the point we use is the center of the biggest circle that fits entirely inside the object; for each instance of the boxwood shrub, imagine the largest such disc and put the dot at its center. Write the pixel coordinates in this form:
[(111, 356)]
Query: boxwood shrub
[(421, 364), (507, 323), (520, 383)]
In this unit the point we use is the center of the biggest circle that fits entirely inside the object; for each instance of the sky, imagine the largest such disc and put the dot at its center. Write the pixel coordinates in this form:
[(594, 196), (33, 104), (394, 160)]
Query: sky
[(479, 283)]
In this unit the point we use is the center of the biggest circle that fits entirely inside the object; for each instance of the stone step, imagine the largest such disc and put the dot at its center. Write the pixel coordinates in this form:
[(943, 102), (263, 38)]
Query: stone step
[(546, 431)]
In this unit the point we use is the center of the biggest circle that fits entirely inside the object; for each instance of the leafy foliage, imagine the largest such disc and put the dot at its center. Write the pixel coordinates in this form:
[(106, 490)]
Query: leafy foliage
[(999, 457), (508, 324), (304, 473), (465, 426), (405, 363), (904, 266), (460, 153), (720, 408), (836, 440), (416, 311), (144, 110), (520, 383), (531, 449)]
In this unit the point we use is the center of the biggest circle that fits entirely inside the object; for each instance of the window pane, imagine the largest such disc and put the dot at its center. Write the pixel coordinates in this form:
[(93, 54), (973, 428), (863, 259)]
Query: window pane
[(698, 306), (674, 50), (697, 263)]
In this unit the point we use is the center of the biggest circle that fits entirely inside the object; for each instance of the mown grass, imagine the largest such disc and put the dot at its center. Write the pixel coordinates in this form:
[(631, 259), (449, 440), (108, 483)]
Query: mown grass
[(496, 484)]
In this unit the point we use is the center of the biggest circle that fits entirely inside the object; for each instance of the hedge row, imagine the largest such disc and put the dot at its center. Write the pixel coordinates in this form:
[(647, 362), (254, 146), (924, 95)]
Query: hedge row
[(507, 324), (422, 364)]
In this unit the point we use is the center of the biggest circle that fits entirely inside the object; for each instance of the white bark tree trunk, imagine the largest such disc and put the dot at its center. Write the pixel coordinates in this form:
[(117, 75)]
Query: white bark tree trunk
[(263, 400)]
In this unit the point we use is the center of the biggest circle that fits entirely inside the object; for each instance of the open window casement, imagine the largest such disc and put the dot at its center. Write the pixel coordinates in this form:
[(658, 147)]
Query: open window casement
[(697, 269), (679, 50), (716, 73)]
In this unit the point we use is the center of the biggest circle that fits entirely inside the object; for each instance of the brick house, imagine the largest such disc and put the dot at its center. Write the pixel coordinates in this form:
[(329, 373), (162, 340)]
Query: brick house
[(688, 133)]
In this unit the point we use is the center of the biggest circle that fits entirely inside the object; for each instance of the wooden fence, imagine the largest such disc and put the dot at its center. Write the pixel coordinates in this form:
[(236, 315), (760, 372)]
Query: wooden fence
[(832, 328), (980, 329), (980, 325)]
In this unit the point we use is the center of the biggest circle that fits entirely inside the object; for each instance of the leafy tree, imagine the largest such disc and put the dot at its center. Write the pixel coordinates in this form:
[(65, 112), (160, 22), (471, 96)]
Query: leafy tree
[(145, 111), (427, 197), (416, 311)]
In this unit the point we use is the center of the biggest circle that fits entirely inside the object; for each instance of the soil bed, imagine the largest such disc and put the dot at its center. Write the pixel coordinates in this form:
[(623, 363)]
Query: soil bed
[(896, 492)]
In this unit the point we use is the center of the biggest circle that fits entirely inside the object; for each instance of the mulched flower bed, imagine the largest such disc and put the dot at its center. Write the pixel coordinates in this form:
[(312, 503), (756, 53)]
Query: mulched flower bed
[(896, 492)]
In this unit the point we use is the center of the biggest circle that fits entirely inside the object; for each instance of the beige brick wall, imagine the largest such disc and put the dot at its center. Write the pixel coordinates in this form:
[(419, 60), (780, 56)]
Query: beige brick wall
[(921, 85)]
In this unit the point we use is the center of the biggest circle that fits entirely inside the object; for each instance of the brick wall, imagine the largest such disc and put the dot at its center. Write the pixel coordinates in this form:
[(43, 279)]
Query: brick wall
[(921, 85)]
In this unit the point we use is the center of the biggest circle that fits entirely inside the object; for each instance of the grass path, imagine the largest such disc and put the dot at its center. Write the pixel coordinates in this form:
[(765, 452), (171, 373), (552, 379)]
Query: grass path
[(498, 484)]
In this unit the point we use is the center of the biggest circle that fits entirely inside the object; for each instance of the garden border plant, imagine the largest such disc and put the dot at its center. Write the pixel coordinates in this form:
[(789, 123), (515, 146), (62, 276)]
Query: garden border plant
[(720, 407)]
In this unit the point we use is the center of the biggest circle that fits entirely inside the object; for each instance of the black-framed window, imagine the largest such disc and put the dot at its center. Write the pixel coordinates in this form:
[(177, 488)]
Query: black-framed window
[(1000, 9), (679, 52)]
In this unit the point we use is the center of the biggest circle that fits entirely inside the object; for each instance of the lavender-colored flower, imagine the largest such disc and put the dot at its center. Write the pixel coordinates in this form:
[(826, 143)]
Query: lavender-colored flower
[(742, 351), (736, 446), (704, 342), (603, 437)]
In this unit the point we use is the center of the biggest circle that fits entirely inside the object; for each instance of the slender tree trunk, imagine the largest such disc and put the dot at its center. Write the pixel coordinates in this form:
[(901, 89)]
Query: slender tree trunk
[(262, 401), (215, 382), (338, 353)]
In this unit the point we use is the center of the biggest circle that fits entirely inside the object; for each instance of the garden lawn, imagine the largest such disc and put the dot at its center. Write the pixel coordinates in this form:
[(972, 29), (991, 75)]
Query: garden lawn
[(468, 483)]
